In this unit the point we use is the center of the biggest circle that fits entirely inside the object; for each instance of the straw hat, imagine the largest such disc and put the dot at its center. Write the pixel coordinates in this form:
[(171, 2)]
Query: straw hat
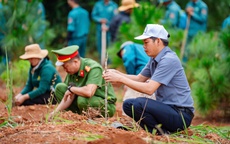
[(127, 4), (34, 51)]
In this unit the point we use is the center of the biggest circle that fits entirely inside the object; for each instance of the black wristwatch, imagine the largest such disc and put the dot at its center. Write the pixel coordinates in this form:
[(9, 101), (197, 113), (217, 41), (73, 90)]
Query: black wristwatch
[(69, 87)]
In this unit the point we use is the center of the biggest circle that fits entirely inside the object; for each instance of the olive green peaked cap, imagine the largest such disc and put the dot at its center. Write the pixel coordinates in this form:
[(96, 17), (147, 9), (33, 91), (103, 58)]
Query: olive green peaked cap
[(65, 54), (66, 50)]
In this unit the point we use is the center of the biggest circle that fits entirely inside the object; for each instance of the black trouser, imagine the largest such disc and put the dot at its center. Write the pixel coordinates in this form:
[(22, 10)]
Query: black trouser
[(151, 113), (42, 99)]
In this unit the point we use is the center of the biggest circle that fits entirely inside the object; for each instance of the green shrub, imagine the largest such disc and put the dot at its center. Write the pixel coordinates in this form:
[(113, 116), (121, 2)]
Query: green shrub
[(22, 27), (209, 73), (19, 72)]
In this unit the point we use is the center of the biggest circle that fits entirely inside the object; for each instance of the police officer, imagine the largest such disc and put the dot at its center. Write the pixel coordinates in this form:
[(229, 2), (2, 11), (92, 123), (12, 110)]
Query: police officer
[(78, 26), (102, 13), (172, 12), (83, 86)]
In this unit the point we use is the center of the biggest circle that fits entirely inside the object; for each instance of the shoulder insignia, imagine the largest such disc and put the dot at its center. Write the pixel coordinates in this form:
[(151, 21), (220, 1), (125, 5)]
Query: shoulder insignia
[(172, 16), (204, 11), (70, 20), (87, 68)]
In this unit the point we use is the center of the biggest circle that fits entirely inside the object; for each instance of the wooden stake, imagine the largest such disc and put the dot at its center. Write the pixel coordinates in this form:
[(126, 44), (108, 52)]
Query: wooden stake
[(106, 90)]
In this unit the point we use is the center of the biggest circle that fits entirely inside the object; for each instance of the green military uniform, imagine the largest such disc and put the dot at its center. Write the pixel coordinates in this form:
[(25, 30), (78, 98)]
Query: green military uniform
[(90, 72)]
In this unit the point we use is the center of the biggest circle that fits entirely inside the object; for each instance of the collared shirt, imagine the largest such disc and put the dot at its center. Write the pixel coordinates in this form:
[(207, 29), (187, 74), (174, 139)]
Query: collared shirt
[(78, 22), (134, 58), (172, 14), (104, 11), (198, 21), (90, 72), (166, 69)]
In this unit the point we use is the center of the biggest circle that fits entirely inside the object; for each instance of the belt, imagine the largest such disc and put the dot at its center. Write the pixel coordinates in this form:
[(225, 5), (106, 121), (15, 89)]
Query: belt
[(185, 109)]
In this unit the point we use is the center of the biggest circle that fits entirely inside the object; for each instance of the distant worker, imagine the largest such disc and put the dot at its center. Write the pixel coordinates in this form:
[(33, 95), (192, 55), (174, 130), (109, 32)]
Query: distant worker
[(226, 22), (133, 56), (78, 26), (172, 14), (42, 78), (125, 11), (102, 13), (83, 87), (197, 10)]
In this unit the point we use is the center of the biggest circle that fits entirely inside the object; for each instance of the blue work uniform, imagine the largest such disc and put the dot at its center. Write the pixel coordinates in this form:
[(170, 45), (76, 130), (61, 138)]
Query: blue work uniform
[(198, 21), (134, 58), (121, 17), (103, 11), (78, 24), (226, 23), (173, 97), (172, 14)]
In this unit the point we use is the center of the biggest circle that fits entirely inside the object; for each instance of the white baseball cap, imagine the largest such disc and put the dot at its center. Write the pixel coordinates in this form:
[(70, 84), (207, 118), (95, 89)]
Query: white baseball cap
[(154, 30)]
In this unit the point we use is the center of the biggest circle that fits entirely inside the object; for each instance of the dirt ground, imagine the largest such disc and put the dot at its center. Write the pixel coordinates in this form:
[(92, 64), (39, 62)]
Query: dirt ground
[(69, 127)]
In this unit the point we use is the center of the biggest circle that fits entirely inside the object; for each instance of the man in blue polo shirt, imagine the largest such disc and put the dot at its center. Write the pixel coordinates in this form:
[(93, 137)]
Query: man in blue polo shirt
[(166, 77)]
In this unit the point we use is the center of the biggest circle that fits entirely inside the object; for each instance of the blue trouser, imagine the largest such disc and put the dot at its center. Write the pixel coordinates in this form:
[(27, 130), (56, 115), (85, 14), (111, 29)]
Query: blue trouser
[(81, 42), (156, 113)]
